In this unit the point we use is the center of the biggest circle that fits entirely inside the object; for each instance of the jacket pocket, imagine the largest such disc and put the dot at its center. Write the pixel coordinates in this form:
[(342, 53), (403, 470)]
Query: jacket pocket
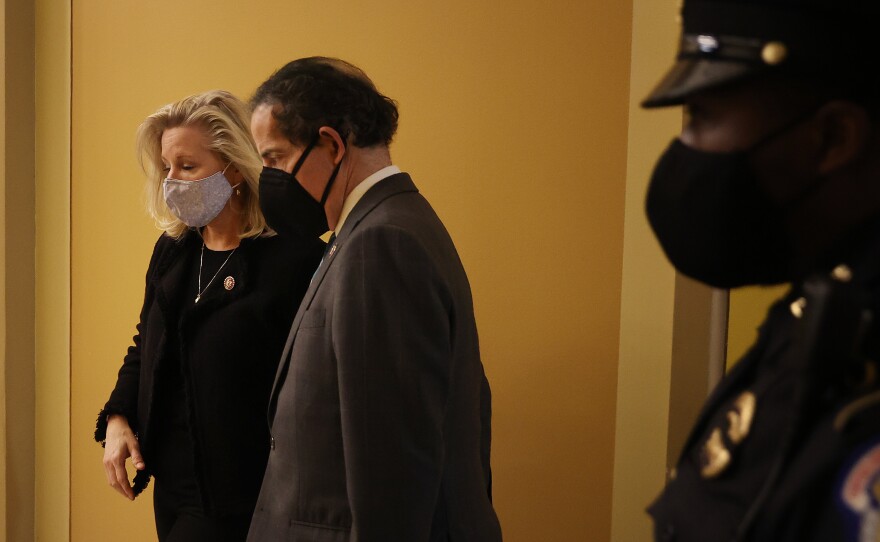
[(313, 318)]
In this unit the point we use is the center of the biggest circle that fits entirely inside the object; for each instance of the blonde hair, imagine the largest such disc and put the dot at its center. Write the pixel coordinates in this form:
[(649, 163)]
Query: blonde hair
[(224, 119)]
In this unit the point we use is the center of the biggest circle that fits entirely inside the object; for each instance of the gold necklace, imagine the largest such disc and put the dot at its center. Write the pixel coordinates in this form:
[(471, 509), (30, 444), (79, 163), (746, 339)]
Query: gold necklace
[(199, 292)]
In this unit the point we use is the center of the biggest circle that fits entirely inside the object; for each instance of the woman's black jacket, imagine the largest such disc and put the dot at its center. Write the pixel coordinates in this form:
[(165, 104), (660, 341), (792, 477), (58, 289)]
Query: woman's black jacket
[(228, 345)]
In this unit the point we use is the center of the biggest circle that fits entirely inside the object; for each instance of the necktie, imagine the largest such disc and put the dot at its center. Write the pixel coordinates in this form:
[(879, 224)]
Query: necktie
[(327, 250)]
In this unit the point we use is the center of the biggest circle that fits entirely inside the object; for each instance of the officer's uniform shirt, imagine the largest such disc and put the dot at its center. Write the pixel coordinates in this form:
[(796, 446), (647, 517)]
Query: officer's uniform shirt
[(828, 488)]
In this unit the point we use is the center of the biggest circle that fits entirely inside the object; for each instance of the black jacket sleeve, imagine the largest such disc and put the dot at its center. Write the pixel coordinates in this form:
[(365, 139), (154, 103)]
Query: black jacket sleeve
[(124, 397)]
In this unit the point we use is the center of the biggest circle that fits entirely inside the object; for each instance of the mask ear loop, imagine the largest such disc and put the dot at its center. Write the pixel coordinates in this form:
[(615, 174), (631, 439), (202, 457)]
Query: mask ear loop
[(330, 184), (302, 157), (235, 188), (332, 178), (236, 185)]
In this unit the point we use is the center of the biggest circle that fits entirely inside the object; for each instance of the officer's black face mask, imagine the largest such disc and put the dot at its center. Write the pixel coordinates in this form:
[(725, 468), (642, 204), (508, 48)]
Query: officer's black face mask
[(289, 209), (714, 222)]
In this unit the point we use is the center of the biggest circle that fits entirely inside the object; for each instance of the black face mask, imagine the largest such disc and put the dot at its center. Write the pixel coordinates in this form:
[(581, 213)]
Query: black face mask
[(714, 222), (289, 209)]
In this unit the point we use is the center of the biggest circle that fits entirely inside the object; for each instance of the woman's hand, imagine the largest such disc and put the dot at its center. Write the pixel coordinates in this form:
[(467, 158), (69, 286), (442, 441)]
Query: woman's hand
[(119, 445)]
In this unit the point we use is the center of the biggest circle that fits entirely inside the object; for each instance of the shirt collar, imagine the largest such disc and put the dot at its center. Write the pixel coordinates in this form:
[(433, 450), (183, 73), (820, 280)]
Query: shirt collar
[(358, 192)]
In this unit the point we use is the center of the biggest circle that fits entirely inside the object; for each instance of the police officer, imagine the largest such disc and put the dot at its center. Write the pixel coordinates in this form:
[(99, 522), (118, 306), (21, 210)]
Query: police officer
[(775, 178)]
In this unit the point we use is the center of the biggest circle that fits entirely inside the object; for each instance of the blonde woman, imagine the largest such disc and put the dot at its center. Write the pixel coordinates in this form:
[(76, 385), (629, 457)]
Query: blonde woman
[(189, 406)]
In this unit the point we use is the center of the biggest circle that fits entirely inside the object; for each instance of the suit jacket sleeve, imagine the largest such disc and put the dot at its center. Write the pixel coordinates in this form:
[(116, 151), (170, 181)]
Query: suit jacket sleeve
[(392, 336)]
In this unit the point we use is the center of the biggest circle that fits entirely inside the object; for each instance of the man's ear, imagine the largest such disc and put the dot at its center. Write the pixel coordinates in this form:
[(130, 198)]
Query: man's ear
[(844, 131), (330, 136)]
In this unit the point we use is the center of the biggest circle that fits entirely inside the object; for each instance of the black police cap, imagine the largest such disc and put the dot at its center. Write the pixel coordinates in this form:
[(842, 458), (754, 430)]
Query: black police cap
[(726, 41)]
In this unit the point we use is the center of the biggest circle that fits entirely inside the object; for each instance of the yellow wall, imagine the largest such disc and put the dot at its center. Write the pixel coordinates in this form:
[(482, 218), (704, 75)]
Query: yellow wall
[(4, 497), (513, 123), (52, 325), (648, 295), (19, 284), (748, 307)]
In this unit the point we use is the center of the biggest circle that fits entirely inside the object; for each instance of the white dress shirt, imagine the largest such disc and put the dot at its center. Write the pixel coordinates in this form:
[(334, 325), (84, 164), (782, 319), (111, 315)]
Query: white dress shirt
[(355, 196)]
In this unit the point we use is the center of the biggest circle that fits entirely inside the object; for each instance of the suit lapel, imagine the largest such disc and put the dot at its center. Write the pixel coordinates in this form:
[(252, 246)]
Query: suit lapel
[(284, 365), (393, 185)]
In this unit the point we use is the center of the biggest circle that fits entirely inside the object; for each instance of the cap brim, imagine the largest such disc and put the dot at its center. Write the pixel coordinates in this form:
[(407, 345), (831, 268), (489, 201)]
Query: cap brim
[(691, 75)]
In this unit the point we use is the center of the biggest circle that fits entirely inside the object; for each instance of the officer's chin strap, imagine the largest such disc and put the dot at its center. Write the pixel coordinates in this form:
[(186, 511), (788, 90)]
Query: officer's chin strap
[(827, 344)]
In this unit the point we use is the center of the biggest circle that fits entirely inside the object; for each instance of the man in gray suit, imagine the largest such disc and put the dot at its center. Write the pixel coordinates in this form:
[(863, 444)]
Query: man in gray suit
[(380, 410)]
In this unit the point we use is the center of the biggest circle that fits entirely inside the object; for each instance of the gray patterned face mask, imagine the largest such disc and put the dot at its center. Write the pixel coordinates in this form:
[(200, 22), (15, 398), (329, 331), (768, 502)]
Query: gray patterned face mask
[(198, 202)]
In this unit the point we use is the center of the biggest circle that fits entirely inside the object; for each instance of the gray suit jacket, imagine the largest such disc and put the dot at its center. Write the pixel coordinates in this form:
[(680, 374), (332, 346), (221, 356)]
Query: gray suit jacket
[(380, 410)]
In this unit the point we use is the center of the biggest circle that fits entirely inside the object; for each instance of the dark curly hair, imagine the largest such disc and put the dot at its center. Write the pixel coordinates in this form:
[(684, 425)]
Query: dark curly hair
[(318, 91)]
